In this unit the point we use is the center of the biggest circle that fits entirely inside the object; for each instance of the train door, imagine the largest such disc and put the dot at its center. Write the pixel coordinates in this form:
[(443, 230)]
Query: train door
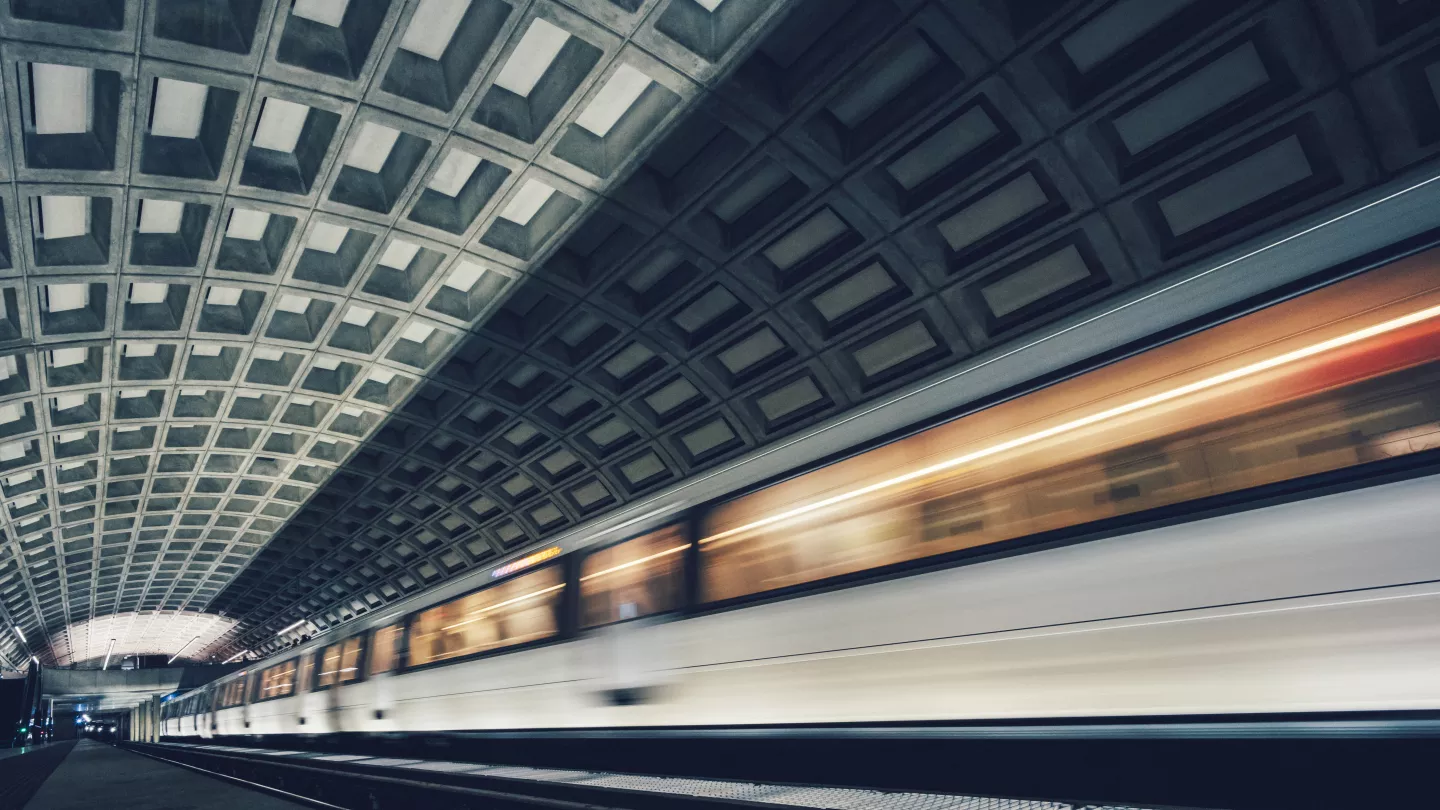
[(312, 702), (367, 697), (339, 672), (208, 701), (252, 683), (381, 663), (628, 593), (628, 663)]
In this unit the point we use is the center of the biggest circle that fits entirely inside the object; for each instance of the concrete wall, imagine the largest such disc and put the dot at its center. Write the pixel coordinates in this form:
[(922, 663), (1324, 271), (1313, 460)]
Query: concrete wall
[(64, 725), (123, 688), (65, 682)]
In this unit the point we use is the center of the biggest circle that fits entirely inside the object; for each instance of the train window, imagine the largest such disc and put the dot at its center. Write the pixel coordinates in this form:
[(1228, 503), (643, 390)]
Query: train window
[(340, 662), (350, 654), (307, 672), (227, 695), (635, 578), (382, 649), (277, 681), (329, 659), (513, 612), (1269, 397), (235, 692)]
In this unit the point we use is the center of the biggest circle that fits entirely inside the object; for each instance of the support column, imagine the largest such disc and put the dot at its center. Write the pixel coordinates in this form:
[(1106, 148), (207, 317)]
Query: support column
[(155, 719)]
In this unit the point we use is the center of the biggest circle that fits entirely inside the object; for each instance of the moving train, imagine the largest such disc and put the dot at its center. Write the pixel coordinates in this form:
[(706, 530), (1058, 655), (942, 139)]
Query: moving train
[(1237, 521)]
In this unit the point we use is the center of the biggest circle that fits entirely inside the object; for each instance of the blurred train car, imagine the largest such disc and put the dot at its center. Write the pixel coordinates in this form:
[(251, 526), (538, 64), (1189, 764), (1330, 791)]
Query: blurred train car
[(1203, 529)]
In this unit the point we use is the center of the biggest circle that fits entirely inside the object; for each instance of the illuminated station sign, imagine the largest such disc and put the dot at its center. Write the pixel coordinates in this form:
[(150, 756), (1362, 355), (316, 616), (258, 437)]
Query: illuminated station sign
[(526, 562)]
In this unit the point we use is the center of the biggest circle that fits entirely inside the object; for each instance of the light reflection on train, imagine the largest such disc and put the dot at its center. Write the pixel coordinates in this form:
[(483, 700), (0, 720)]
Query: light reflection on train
[(742, 624)]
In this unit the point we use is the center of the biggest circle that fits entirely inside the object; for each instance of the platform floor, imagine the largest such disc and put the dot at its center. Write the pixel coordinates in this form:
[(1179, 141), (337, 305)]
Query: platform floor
[(98, 775), (23, 770), (6, 753)]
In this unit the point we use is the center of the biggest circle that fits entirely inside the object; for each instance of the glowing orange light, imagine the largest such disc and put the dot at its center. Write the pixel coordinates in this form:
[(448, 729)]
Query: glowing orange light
[(526, 561)]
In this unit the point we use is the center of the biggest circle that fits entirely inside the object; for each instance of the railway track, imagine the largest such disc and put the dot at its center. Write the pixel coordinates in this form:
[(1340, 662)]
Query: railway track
[(357, 782)]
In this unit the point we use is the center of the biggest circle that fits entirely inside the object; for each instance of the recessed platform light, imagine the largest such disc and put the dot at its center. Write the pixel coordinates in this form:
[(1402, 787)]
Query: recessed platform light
[(161, 216), (62, 95), (223, 296), (371, 147), (179, 108), (148, 292), (614, 99), (326, 237), (464, 276), (66, 297), (432, 26), (293, 303), (532, 57), (527, 203), (63, 216), (418, 332), (399, 254), (325, 12), (280, 124), (247, 224), (454, 172)]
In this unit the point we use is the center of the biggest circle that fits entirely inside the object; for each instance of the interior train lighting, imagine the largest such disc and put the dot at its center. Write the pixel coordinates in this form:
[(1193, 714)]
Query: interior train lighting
[(523, 597), (622, 566), (1108, 414)]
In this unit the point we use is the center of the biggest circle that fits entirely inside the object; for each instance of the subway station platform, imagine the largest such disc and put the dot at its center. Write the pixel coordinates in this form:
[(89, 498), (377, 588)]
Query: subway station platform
[(89, 774)]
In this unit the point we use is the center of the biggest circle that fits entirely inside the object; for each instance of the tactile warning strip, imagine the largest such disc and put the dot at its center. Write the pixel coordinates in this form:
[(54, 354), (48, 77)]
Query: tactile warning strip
[(821, 798)]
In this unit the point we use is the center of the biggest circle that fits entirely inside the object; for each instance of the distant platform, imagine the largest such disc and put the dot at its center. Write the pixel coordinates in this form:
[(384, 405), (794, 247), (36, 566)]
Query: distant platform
[(97, 775)]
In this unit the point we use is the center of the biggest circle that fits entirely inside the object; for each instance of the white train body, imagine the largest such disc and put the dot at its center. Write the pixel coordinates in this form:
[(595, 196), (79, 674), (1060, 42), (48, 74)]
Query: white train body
[(758, 610), (1328, 604)]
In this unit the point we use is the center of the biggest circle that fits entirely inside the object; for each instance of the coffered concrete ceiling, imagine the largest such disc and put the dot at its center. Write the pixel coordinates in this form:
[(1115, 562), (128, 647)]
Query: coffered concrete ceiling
[(238, 234), (313, 305)]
